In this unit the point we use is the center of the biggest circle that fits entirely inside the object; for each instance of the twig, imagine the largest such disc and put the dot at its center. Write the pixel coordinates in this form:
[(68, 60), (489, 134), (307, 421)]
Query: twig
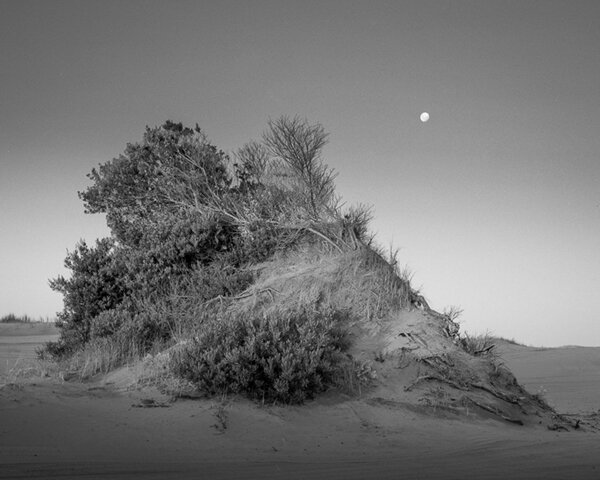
[(241, 296), (328, 240), (484, 350), (501, 396), (424, 378), (495, 411)]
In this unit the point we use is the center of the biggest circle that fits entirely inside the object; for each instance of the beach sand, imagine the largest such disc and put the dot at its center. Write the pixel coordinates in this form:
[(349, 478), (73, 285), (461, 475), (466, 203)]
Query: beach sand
[(105, 429)]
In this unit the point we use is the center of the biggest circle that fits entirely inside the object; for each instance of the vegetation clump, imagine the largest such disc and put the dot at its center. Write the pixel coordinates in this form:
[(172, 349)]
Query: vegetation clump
[(189, 226), (285, 356)]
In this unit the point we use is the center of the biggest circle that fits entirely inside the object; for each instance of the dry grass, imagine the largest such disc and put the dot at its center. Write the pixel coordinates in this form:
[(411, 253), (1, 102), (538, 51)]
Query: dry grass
[(478, 345), (353, 377), (359, 281), (100, 356), (28, 368), (154, 370)]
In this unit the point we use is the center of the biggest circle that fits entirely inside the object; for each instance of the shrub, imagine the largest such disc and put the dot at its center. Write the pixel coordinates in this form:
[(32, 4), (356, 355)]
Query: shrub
[(97, 284), (285, 356), (172, 167), (107, 323), (171, 246), (145, 328)]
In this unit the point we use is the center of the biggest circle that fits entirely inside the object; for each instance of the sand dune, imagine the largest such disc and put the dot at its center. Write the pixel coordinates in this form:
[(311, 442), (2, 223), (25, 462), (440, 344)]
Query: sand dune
[(51, 429), (567, 377)]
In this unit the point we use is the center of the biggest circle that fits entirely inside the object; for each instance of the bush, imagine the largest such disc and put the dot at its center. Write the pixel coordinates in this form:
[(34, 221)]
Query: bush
[(97, 284), (285, 356), (172, 246), (145, 329), (172, 167)]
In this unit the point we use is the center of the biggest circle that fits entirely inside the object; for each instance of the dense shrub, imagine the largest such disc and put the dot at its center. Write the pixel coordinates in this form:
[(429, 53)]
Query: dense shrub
[(288, 356), (173, 167), (145, 328), (109, 322), (97, 284), (174, 248), (156, 199)]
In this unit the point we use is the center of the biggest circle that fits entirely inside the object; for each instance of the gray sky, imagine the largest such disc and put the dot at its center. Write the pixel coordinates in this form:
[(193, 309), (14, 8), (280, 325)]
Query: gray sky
[(494, 203)]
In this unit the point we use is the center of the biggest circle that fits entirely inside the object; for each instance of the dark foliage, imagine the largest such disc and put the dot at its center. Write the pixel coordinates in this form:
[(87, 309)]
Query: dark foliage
[(12, 318), (97, 284), (186, 229), (154, 178), (285, 357)]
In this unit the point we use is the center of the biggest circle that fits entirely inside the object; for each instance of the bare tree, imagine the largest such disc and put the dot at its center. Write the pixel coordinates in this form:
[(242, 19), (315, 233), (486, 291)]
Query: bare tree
[(299, 144)]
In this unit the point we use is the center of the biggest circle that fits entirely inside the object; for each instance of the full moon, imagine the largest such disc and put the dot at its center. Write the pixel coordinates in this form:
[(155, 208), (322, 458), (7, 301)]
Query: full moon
[(424, 117)]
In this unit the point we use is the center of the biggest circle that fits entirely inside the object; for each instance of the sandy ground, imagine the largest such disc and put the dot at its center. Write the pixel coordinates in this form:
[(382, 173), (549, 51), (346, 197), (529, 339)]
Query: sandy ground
[(567, 377), (103, 430), (18, 342)]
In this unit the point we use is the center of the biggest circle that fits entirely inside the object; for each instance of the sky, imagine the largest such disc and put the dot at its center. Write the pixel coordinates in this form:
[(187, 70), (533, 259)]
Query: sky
[(494, 203)]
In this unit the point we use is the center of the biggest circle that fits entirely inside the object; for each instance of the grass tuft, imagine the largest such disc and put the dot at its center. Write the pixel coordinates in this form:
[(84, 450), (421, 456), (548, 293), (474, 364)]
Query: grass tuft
[(478, 345), (100, 356)]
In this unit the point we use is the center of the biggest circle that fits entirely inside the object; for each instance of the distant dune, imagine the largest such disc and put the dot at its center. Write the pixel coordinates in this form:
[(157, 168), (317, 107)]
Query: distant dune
[(567, 377)]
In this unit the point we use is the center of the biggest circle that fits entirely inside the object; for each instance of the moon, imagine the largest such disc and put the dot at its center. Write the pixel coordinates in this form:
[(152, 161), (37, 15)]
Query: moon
[(424, 117)]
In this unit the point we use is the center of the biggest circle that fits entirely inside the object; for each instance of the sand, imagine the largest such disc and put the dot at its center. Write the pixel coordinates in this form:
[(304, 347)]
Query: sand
[(567, 377), (18, 342), (102, 429)]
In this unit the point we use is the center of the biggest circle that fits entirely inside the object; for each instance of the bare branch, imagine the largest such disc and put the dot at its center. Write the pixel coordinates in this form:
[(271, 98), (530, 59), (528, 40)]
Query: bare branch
[(299, 144)]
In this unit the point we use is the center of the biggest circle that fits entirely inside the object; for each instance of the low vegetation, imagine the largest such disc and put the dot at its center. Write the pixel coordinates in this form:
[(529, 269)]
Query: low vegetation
[(12, 318)]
